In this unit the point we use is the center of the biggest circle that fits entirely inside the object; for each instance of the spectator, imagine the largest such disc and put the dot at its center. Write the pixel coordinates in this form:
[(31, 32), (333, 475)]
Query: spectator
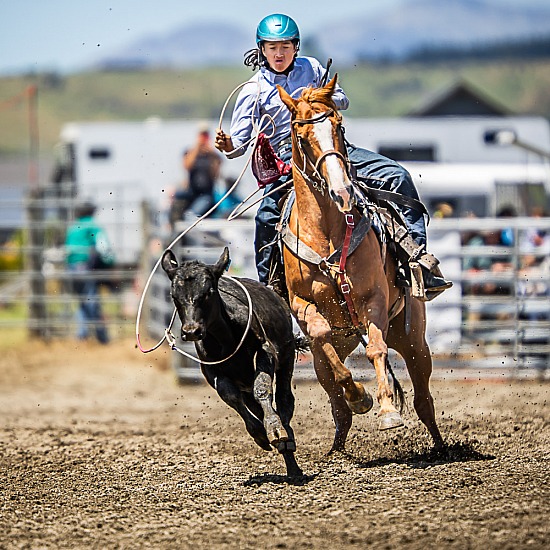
[(536, 240), (507, 234), (443, 210), (230, 202), (535, 263), (491, 262), (202, 165), (88, 250)]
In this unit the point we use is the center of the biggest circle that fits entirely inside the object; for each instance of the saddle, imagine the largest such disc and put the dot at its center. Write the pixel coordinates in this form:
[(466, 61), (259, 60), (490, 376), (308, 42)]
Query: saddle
[(392, 233), (410, 256)]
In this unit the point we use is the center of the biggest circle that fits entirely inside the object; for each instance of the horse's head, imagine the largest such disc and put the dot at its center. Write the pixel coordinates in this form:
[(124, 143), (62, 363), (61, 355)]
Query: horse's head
[(317, 134), (194, 290)]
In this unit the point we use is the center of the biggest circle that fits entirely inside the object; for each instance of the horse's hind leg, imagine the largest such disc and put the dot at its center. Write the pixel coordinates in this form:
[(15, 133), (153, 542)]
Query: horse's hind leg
[(416, 353), (420, 370)]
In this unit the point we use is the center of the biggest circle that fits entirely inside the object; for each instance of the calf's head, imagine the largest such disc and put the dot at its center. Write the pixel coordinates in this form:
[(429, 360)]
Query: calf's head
[(194, 290)]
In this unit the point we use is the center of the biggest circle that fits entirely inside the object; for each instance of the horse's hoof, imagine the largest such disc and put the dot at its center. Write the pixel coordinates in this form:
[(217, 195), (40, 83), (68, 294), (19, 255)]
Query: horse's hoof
[(361, 406), (390, 420)]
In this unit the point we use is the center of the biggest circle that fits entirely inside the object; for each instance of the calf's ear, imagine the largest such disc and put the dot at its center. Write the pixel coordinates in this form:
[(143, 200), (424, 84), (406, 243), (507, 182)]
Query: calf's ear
[(169, 263), (223, 263)]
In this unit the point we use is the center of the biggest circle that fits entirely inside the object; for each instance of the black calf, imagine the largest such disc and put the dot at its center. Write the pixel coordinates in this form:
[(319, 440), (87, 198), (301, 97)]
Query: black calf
[(214, 313)]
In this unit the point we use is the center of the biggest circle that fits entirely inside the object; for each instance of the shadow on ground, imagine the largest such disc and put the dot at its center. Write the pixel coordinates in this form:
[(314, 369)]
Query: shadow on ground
[(454, 452)]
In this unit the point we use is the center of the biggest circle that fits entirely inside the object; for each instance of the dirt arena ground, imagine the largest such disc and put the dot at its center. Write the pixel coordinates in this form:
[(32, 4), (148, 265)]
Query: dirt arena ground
[(101, 448)]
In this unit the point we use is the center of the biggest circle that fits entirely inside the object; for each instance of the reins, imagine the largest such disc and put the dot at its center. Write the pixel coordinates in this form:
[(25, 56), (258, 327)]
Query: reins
[(317, 179)]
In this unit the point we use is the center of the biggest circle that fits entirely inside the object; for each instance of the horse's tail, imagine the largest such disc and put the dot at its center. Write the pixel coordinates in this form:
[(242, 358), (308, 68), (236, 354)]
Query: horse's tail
[(399, 393), (301, 343)]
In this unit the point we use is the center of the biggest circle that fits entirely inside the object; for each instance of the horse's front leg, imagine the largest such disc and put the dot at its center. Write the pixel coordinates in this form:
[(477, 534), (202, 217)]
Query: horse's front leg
[(318, 329), (377, 354)]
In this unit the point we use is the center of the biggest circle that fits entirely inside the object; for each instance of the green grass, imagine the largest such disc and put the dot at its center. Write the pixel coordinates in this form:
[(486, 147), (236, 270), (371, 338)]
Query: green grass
[(13, 329)]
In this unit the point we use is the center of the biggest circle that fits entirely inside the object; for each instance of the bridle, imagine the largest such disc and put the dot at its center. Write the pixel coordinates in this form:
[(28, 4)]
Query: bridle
[(315, 178)]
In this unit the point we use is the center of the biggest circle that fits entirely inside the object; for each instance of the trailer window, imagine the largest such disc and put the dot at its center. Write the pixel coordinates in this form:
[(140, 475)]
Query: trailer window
[(99, 153), (425, 153)]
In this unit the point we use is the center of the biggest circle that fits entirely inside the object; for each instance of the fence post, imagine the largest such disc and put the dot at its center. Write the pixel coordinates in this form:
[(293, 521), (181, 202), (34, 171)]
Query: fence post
[(37, 322)]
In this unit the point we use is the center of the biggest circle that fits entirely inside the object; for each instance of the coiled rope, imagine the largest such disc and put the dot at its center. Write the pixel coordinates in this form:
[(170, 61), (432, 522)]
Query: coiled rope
[(237, 211)]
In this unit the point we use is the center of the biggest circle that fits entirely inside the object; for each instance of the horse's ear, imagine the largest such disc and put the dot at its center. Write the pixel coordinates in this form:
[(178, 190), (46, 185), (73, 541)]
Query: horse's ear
[(287, 100), (169, 263), (331, 85), (223, 263)]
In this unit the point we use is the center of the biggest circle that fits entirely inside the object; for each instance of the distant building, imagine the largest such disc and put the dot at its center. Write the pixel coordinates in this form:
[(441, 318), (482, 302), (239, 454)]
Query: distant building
[(460, 99)]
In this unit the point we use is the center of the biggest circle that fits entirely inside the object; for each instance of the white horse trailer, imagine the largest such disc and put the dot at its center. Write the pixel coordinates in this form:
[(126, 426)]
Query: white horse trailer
[(121, 164)]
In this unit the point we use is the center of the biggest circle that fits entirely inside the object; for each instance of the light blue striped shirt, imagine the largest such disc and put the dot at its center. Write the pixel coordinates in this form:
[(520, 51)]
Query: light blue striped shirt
[(307, 71)]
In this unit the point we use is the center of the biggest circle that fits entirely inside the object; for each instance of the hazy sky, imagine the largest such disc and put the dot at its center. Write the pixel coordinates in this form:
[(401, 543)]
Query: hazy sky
[(66, 34)]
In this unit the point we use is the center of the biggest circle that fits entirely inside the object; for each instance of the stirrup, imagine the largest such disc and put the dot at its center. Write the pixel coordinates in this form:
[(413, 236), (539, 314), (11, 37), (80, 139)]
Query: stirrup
[(417, 281), (419, 289)]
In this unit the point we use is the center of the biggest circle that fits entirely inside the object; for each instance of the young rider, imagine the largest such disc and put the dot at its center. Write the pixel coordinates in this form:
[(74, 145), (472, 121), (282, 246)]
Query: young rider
[(278, 42)]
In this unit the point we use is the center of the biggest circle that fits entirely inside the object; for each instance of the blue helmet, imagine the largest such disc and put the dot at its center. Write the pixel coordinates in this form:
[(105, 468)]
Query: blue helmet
[(277, 27)]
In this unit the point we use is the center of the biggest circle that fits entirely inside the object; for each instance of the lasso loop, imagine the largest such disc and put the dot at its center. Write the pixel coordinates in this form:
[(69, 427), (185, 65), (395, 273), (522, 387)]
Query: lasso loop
[(238, 211)]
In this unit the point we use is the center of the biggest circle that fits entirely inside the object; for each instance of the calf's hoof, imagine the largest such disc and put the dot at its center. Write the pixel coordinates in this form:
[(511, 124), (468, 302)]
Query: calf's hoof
[(389, 420), (362, 405), (284, 446), (276, 434), (292, 468)]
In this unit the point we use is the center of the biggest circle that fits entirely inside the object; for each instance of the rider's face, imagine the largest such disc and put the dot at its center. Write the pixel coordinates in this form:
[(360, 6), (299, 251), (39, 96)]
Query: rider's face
[(279, 55)]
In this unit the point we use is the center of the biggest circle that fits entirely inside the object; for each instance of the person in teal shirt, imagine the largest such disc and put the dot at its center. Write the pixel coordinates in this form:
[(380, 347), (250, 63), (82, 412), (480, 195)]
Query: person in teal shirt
[(88, 249)]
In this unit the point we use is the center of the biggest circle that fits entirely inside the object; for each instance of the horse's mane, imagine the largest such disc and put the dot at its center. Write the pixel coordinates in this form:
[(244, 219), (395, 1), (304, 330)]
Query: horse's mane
[(318, 95)]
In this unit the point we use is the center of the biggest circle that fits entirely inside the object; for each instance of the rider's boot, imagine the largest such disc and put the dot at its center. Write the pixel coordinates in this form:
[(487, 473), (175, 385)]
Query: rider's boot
[(434, 283)]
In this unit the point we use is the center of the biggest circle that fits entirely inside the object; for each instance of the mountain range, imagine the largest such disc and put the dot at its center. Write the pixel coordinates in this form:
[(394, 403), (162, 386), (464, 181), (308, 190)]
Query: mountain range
[(393, 33)]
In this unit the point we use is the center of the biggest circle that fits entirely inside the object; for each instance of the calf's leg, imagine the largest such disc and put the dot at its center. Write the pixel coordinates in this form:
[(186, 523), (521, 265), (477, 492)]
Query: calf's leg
[(280, 435), (263, 393), (233, 396), (284, 398)]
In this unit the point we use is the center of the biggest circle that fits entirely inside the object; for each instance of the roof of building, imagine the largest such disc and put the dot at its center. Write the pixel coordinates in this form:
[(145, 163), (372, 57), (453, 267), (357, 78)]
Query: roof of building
[(461, 98)]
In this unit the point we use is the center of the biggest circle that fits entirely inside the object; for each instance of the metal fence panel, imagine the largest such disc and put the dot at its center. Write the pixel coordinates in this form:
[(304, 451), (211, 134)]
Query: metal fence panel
[(466, 324)]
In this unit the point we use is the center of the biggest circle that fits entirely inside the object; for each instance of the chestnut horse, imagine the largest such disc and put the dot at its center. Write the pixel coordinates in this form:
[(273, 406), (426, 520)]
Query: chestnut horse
[(323, 209)]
